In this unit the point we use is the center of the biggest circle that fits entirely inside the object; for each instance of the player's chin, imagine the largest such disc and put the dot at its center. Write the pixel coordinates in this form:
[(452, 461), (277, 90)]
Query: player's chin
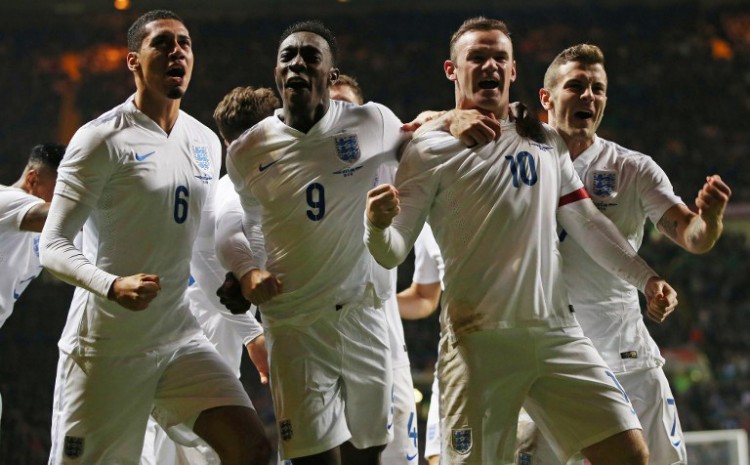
[(176, 93)]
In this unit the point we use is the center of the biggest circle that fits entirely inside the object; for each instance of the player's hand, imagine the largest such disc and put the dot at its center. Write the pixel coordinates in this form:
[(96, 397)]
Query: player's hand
[(135, 292), (260, 286), (712, 200), (230, 295), (256, 349), (382, 205), (472, 127), (661, 299), (421, 119)]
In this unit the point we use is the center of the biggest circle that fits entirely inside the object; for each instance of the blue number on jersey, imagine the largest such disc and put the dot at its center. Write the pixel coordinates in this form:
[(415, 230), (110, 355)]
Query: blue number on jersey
[(522, 166), (181, 195), (316, 199), (412, 428)]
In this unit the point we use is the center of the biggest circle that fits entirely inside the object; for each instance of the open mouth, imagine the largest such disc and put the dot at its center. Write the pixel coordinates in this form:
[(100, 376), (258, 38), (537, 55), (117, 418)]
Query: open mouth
[(177, 72), (583, 114), (489, 84), (296, 83)]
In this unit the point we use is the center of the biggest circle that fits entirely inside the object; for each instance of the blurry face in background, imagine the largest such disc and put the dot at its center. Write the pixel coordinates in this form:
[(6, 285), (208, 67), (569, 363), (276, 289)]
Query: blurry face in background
[(482, 71), (344, 93), (577, 101)]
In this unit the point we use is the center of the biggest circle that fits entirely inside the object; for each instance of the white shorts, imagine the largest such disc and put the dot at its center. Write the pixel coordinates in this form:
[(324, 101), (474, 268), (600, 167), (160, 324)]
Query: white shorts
[(331, 381), (432, 433), (534, 448), (556, 374), (652, 398), (160, 449), (102, 403), (649, 392), (404, 447)]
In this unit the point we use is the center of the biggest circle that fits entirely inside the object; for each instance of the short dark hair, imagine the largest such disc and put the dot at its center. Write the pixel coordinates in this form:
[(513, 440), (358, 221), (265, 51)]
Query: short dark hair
[(479, 23), (47, 155), (316, 27), (585, 54), (242, 108), (137, 30), (350, 82)]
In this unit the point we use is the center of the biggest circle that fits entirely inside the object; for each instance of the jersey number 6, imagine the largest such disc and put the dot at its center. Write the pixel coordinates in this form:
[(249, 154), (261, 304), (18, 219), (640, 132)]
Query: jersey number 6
[(181, 195)]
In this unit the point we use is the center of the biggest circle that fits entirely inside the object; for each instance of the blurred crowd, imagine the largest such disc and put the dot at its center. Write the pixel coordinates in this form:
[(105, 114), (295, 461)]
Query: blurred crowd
[(679, 91)]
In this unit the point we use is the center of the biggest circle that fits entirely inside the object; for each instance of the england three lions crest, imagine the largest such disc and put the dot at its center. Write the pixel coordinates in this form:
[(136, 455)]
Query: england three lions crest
[(347, 147), (461, 440), (200, 156), (604, 184)]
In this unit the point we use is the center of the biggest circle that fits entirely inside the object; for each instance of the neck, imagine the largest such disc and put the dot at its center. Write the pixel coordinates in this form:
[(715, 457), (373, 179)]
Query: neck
[(576, 145), (20, 184), (304, 120), (500, 112), (163, 111)]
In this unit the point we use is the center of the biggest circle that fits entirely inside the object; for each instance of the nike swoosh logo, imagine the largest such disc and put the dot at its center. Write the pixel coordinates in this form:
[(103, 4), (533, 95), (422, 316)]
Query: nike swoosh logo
[(143, 157), (409, 458), (263, 167)]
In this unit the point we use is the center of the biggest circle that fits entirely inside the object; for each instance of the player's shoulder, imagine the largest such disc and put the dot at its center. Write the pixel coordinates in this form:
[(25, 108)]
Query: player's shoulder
[(254, 140), (550, 140), (625, 157), (108, 123), (10, 193), (196, 126), (369, 111), (13, 199)]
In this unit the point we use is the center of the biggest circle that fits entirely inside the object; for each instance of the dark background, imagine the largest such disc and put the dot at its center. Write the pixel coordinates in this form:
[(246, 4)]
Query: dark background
[(679, 91)]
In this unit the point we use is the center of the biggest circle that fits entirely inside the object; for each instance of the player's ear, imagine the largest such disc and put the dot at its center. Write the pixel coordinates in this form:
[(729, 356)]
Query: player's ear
[(545, 99), (450, 70), (32, 177), (133, 60), (513, 72), (333, 76)]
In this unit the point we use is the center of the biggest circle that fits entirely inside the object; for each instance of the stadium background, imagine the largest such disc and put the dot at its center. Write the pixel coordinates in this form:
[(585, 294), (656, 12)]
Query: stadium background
[(679, 90)]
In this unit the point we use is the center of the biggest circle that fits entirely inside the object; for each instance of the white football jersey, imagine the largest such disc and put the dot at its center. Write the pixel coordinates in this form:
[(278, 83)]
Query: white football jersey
[(227, 332), (309, 192), (19, 250), (429, 267), (493, 212), (146, 190), (627, 187)]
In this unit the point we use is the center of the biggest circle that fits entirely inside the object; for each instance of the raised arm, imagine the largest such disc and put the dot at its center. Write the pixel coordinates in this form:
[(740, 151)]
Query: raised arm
[(606, 245), (698, 232)]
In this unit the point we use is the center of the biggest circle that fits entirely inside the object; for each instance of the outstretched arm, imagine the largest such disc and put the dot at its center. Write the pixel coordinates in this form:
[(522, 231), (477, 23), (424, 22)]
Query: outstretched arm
[(605, 244), (698, 232)]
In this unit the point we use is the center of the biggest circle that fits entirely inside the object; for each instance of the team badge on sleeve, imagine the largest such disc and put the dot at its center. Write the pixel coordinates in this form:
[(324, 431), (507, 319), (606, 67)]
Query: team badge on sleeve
[(604, 184), (347, 147), (73, 447), (461, 440)]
